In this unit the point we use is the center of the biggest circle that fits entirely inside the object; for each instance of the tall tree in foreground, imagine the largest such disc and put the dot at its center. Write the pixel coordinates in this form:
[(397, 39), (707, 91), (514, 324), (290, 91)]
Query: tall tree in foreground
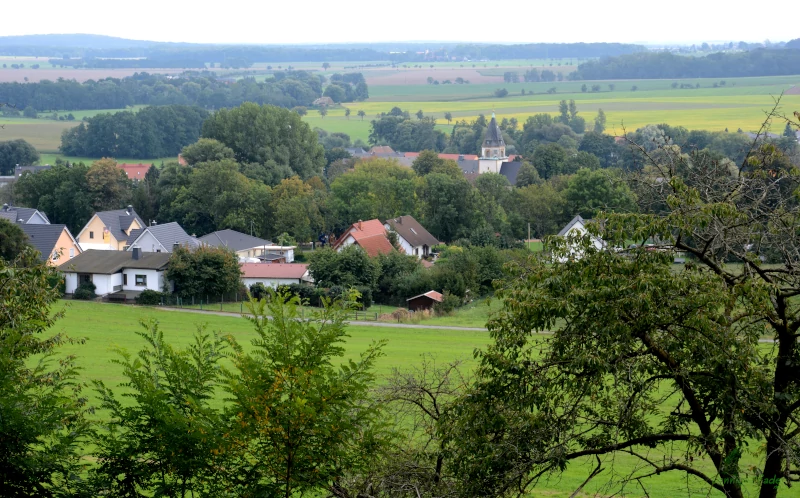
[(42, 409), (658, 363), (301, 422)]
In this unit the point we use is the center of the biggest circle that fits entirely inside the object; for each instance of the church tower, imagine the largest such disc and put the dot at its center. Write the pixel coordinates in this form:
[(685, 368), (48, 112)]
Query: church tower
[(493, 151)]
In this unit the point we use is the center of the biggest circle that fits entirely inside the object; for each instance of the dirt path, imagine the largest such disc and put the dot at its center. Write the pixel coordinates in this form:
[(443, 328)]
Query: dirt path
[(352, 322)]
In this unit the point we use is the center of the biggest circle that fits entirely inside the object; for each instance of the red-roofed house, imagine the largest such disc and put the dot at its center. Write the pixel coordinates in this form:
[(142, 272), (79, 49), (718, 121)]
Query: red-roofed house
[(453, 157), (134, 171), (370, 235), (424, 301), (274, 274)]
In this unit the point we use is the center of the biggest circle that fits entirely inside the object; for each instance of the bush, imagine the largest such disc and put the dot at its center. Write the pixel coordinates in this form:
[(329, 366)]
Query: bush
[(150, 298), (258, 291), (299, 257), (366, 297), (85, 291), (449, 304)]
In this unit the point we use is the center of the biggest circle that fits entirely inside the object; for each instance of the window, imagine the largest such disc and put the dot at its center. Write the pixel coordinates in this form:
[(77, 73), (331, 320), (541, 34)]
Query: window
[(71, 252), (91, 235), (124, 279), (141, 280)]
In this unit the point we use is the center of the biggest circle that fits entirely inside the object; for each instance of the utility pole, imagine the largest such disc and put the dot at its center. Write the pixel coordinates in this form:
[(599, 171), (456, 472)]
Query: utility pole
[(529, 233)]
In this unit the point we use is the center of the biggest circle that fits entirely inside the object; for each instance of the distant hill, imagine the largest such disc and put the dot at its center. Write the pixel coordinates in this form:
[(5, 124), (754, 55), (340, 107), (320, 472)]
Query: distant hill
[(74, 41)]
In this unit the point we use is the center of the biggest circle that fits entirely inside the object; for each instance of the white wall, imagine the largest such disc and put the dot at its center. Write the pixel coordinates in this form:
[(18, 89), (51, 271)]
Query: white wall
[(148, 243), (104, 284), (85, 246), (71, 282), (155, 279), (347, 242), (270, 282)]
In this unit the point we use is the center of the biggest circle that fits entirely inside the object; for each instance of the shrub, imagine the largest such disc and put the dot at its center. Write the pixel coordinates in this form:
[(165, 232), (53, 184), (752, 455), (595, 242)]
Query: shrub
[(149, 298), (258, 290), (449, 304), (85, 291)]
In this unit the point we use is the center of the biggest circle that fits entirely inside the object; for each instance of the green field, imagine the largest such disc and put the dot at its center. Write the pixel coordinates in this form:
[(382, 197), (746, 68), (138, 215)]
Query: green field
[(740, 103), (109, 327)]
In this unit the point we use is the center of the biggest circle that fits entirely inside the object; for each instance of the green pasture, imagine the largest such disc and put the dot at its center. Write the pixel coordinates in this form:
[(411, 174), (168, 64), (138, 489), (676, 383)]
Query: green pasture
[(107, 328)]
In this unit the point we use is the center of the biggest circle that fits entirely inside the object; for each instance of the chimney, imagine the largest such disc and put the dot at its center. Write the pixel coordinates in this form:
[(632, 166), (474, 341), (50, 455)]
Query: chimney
[(175, 246), (5, 207), (137, 253), (399, 220), (461, 157), (153, 223), (359, 225)]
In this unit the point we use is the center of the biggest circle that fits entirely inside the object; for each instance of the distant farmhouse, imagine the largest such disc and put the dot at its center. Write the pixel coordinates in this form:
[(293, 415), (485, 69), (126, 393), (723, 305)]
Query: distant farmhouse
[(413, 238), (109, 230)]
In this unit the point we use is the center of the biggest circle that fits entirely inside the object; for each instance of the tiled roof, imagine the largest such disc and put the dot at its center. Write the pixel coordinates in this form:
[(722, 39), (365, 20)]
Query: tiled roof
[(169, 234), (273, 270), (454, 157), (510, 170), (109, 262), (237, 241), (436, 296), (118, 220), (377, 244), (572, 223), (43, 237), (410, 229), (135, 171), (16, 214), (362, 229)]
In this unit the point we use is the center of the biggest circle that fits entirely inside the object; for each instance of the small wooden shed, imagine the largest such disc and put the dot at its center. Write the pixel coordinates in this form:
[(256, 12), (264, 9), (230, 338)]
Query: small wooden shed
[(424, 301)]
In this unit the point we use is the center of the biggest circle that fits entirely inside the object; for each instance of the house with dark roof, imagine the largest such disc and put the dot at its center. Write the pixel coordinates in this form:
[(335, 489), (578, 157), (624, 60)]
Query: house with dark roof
[(16, 214), (370, 235), (245, 246), (54, 242), (109, 230), (275, 274), (116, 271), (414, 240), (160, 238), (577, 227)]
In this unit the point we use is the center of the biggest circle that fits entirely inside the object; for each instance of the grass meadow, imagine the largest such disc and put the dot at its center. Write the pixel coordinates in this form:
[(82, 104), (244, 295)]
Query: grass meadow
[(110, 327)]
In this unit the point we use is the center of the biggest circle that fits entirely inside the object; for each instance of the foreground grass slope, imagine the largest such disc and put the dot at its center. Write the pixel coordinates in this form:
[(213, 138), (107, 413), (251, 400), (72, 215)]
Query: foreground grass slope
[(108, 327)]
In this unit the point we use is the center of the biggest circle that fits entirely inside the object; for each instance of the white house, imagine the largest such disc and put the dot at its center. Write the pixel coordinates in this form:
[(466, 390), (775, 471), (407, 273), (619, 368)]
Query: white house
[(274, 274), (577, 227), (116, 271), (413, 238)]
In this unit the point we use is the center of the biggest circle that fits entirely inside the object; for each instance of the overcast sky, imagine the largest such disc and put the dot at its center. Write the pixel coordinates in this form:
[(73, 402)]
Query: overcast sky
[(315, 21)]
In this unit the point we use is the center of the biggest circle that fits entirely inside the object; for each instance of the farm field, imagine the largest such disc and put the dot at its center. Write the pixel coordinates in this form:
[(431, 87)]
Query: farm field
[(108, 327), (740, 103)]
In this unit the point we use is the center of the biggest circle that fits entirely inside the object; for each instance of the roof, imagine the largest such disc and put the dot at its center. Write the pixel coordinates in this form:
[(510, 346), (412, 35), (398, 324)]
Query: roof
[(469, 165), (383, 150), (273, 270), (577, 219), (436, 296), (374, 245), (510, 170), (237, 241), (119, 219), (44, 237), (411, 230), (271, 257), (363, 229), (135, 171), (453, 157), (494, 137), (168, 234), (16, 214), (108, 262)]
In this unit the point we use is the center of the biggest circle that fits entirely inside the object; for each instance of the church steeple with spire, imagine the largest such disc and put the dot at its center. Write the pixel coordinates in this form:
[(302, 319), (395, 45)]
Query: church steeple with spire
[(493, 150)]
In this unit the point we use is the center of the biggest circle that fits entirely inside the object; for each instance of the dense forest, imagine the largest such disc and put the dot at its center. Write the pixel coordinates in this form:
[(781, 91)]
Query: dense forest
[(655, 65), (284, 88), (155, 131)]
